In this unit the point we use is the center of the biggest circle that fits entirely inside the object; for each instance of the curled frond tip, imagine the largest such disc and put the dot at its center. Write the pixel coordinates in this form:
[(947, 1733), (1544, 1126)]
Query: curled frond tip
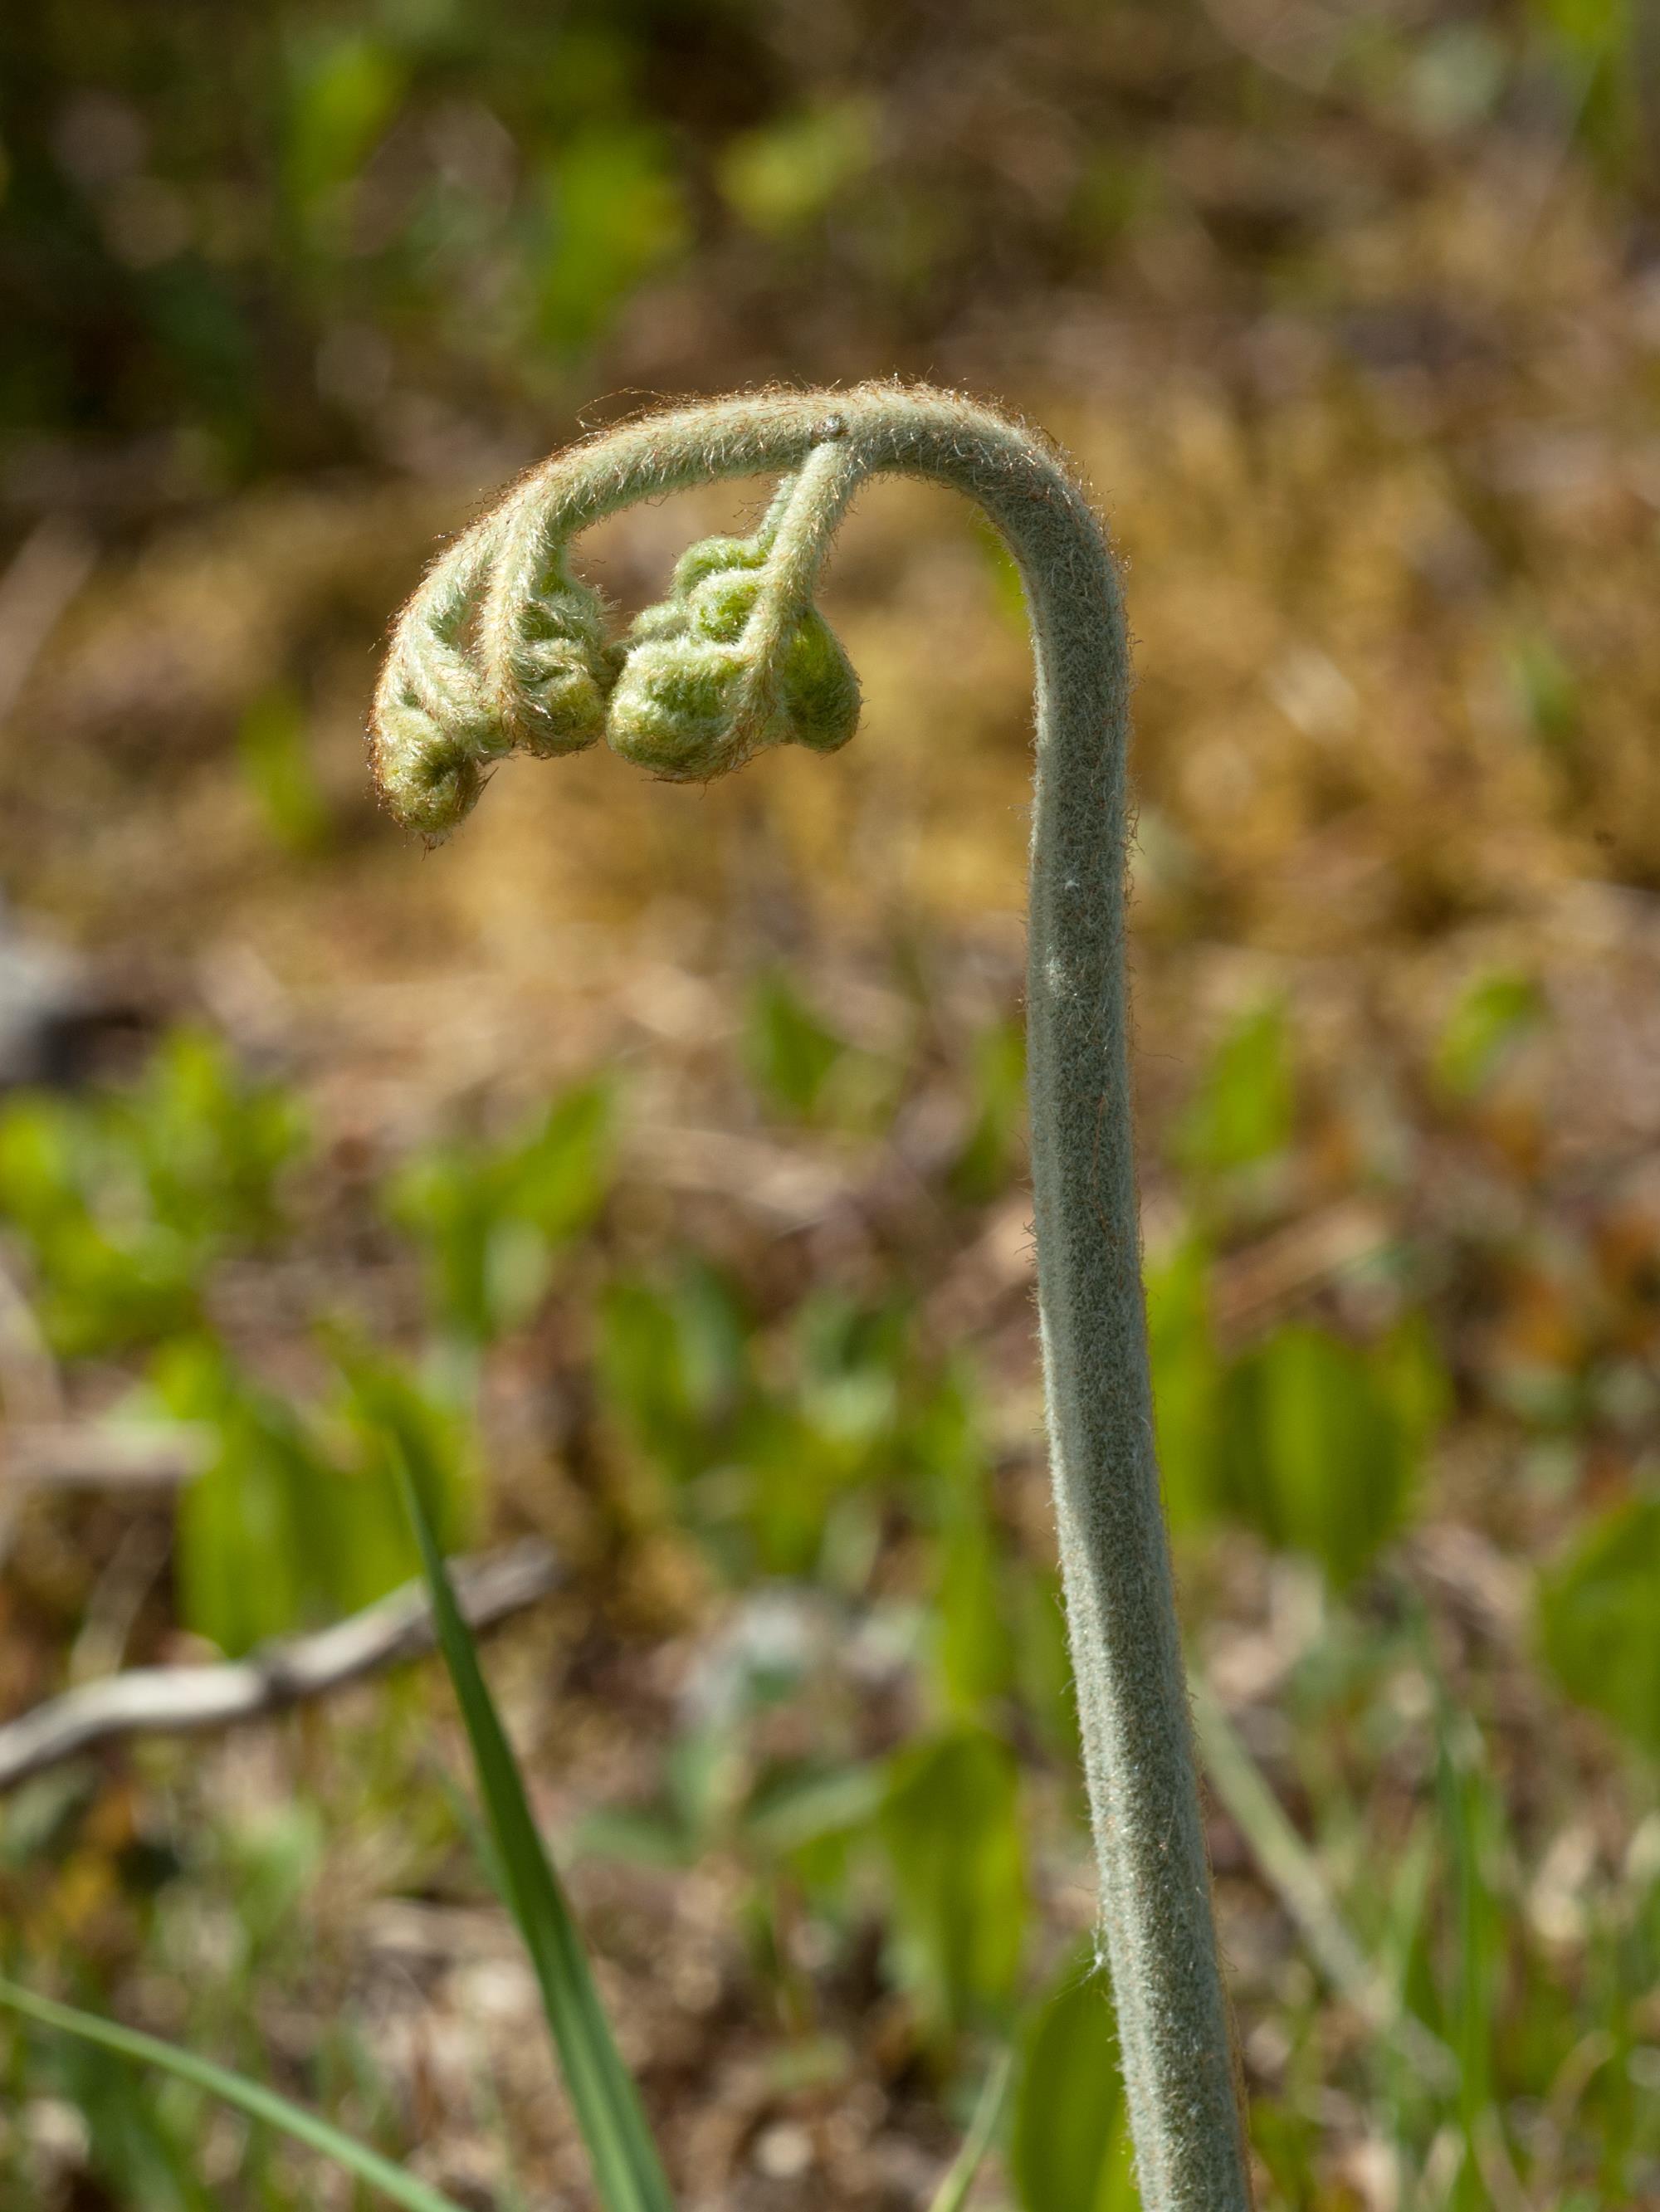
[(503, 649)]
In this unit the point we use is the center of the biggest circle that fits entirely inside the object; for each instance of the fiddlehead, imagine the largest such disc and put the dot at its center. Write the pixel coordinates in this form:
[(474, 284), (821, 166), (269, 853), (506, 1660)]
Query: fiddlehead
[(503, 649), (498, 649), (738, 658), (438, 727)]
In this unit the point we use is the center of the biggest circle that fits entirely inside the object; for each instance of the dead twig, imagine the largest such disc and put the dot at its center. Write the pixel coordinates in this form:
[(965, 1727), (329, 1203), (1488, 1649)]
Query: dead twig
[(98, 1455), (185, 1700), (46, 572), (1306, 1256)]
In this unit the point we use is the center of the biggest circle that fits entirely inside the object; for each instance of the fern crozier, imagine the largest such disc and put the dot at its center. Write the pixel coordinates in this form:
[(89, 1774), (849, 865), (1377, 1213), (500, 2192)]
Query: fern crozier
[(501, 648)]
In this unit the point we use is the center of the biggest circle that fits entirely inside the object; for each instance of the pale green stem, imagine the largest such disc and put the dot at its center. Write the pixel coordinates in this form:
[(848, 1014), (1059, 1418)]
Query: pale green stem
[(818, 499), (1174, 2027)]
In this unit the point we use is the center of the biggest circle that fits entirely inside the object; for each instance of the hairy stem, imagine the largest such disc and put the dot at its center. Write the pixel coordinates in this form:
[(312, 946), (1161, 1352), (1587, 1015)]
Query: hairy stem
[(1184, 2103), (818, 499)]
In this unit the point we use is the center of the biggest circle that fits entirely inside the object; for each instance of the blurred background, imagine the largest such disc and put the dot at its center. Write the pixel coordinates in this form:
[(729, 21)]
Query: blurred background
[(651, 1162)]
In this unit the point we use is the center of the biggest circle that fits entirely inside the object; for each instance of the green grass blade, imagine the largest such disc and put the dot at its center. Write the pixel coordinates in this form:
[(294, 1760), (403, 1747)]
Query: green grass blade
[(1293, 1874), (953, 2192), (249, 2097), (626, 2168)]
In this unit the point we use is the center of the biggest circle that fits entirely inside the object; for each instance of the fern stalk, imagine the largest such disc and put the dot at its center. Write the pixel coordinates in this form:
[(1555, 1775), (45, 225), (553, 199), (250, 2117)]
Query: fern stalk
[(501, 648)]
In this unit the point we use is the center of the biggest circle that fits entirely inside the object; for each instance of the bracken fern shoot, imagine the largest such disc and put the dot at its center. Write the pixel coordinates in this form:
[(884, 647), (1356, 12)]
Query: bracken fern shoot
[(503, 648)]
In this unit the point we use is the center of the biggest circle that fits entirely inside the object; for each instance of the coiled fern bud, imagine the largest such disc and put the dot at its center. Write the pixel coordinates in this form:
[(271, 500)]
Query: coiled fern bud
[(440, 723), (505, 650), (719, 671), (563, 666), (433, 725)]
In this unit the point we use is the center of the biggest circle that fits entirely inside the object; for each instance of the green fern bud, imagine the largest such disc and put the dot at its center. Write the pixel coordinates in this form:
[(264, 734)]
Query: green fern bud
[(694, 701), (821, 690), (668, 618), (712, 555), (431, 727), (699, 695), (818, 690), (678, 708), (439, 724), (723, 602), (427, 777), (562, 667)]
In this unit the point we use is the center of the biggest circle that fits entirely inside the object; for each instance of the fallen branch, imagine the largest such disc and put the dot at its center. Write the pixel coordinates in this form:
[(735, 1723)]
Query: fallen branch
[(102, 1456), (1264, 1278), (185, 1700), (46, 572)]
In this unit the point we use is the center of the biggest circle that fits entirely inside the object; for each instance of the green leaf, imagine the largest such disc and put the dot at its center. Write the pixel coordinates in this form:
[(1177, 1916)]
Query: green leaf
[(613, 213), (795, 1807), (626, 2169), (241, 1557), (991, 1155), (288, 1523), (344, 92), (789, 1053), (1069, 2144), (953, 2192), (1483, 1029), (491, 1217), (107, 1275), (969, 1628), (41, 1148), (250, 2097), (560, 1176), (951, 1830), (1597, 1611), (274, 743), (1243, 1111), (398, 1411), (1185, 1375), (971, 1649), (674, 1364), (213, 1143), (1319, 1441), (783, 176), (448, 1197), (125, 1197)]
